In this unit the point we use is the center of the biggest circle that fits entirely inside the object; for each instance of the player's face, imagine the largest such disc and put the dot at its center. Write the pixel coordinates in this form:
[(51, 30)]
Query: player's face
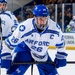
[(42, 21), (2, 7)]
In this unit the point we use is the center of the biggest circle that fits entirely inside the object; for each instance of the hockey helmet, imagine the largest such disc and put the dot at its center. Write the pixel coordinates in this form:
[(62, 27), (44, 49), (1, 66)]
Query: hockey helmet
[(3, 1), (41, 14), (40, 10)]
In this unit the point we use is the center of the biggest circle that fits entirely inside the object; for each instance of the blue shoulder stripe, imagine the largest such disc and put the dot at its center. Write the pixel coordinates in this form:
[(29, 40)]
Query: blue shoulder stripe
[(29, 33), (7, 14), (52, 31), (60, 45)]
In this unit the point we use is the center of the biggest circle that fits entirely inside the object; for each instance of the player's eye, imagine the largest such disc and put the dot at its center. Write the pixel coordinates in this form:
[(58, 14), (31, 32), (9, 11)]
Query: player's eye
[(3, 4)]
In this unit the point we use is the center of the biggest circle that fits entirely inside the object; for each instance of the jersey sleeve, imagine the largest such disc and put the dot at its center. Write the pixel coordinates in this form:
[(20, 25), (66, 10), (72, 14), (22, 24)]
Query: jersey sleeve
[(60, 46), (15, 22), (14, 19), (15, 38)]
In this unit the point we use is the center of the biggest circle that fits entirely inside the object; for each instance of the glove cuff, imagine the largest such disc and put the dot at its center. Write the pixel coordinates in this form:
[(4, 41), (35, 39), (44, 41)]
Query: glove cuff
[(61, 55), (5, 63), (6, 60)]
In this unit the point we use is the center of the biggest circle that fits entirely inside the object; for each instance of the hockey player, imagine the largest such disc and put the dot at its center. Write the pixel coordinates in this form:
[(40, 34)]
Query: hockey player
[(71, 26), (8, 24), (32, 38)]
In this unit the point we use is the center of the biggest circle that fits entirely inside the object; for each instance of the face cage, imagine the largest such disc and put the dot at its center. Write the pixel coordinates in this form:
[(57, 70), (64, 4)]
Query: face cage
[(40, 26)]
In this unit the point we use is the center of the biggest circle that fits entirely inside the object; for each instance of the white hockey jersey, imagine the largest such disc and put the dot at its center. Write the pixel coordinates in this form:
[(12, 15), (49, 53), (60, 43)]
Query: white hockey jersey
[(8, 20), (37, 42)]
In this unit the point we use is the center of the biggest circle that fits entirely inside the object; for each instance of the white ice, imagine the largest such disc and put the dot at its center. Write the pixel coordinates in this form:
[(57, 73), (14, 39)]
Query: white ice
[(69, 69)]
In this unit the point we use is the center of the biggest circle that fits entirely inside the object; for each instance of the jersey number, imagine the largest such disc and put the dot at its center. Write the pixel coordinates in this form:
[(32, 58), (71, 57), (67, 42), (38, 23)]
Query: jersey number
[(39, 49)]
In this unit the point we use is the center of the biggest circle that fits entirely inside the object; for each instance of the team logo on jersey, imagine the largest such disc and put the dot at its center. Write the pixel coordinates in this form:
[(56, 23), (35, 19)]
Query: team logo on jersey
[(22, 28)]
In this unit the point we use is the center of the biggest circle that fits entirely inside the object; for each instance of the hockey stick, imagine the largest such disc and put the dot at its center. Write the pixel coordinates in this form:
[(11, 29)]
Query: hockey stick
[(23, 63), (32, 69), (70, 62)]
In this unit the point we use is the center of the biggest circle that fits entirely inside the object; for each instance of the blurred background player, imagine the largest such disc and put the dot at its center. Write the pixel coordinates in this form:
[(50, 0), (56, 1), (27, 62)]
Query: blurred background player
[(8, 25), (32, 38), (71, 26)]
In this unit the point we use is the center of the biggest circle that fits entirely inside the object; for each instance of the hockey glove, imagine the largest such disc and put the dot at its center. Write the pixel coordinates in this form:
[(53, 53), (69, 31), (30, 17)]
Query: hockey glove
[(6, 60), (60, 59)]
